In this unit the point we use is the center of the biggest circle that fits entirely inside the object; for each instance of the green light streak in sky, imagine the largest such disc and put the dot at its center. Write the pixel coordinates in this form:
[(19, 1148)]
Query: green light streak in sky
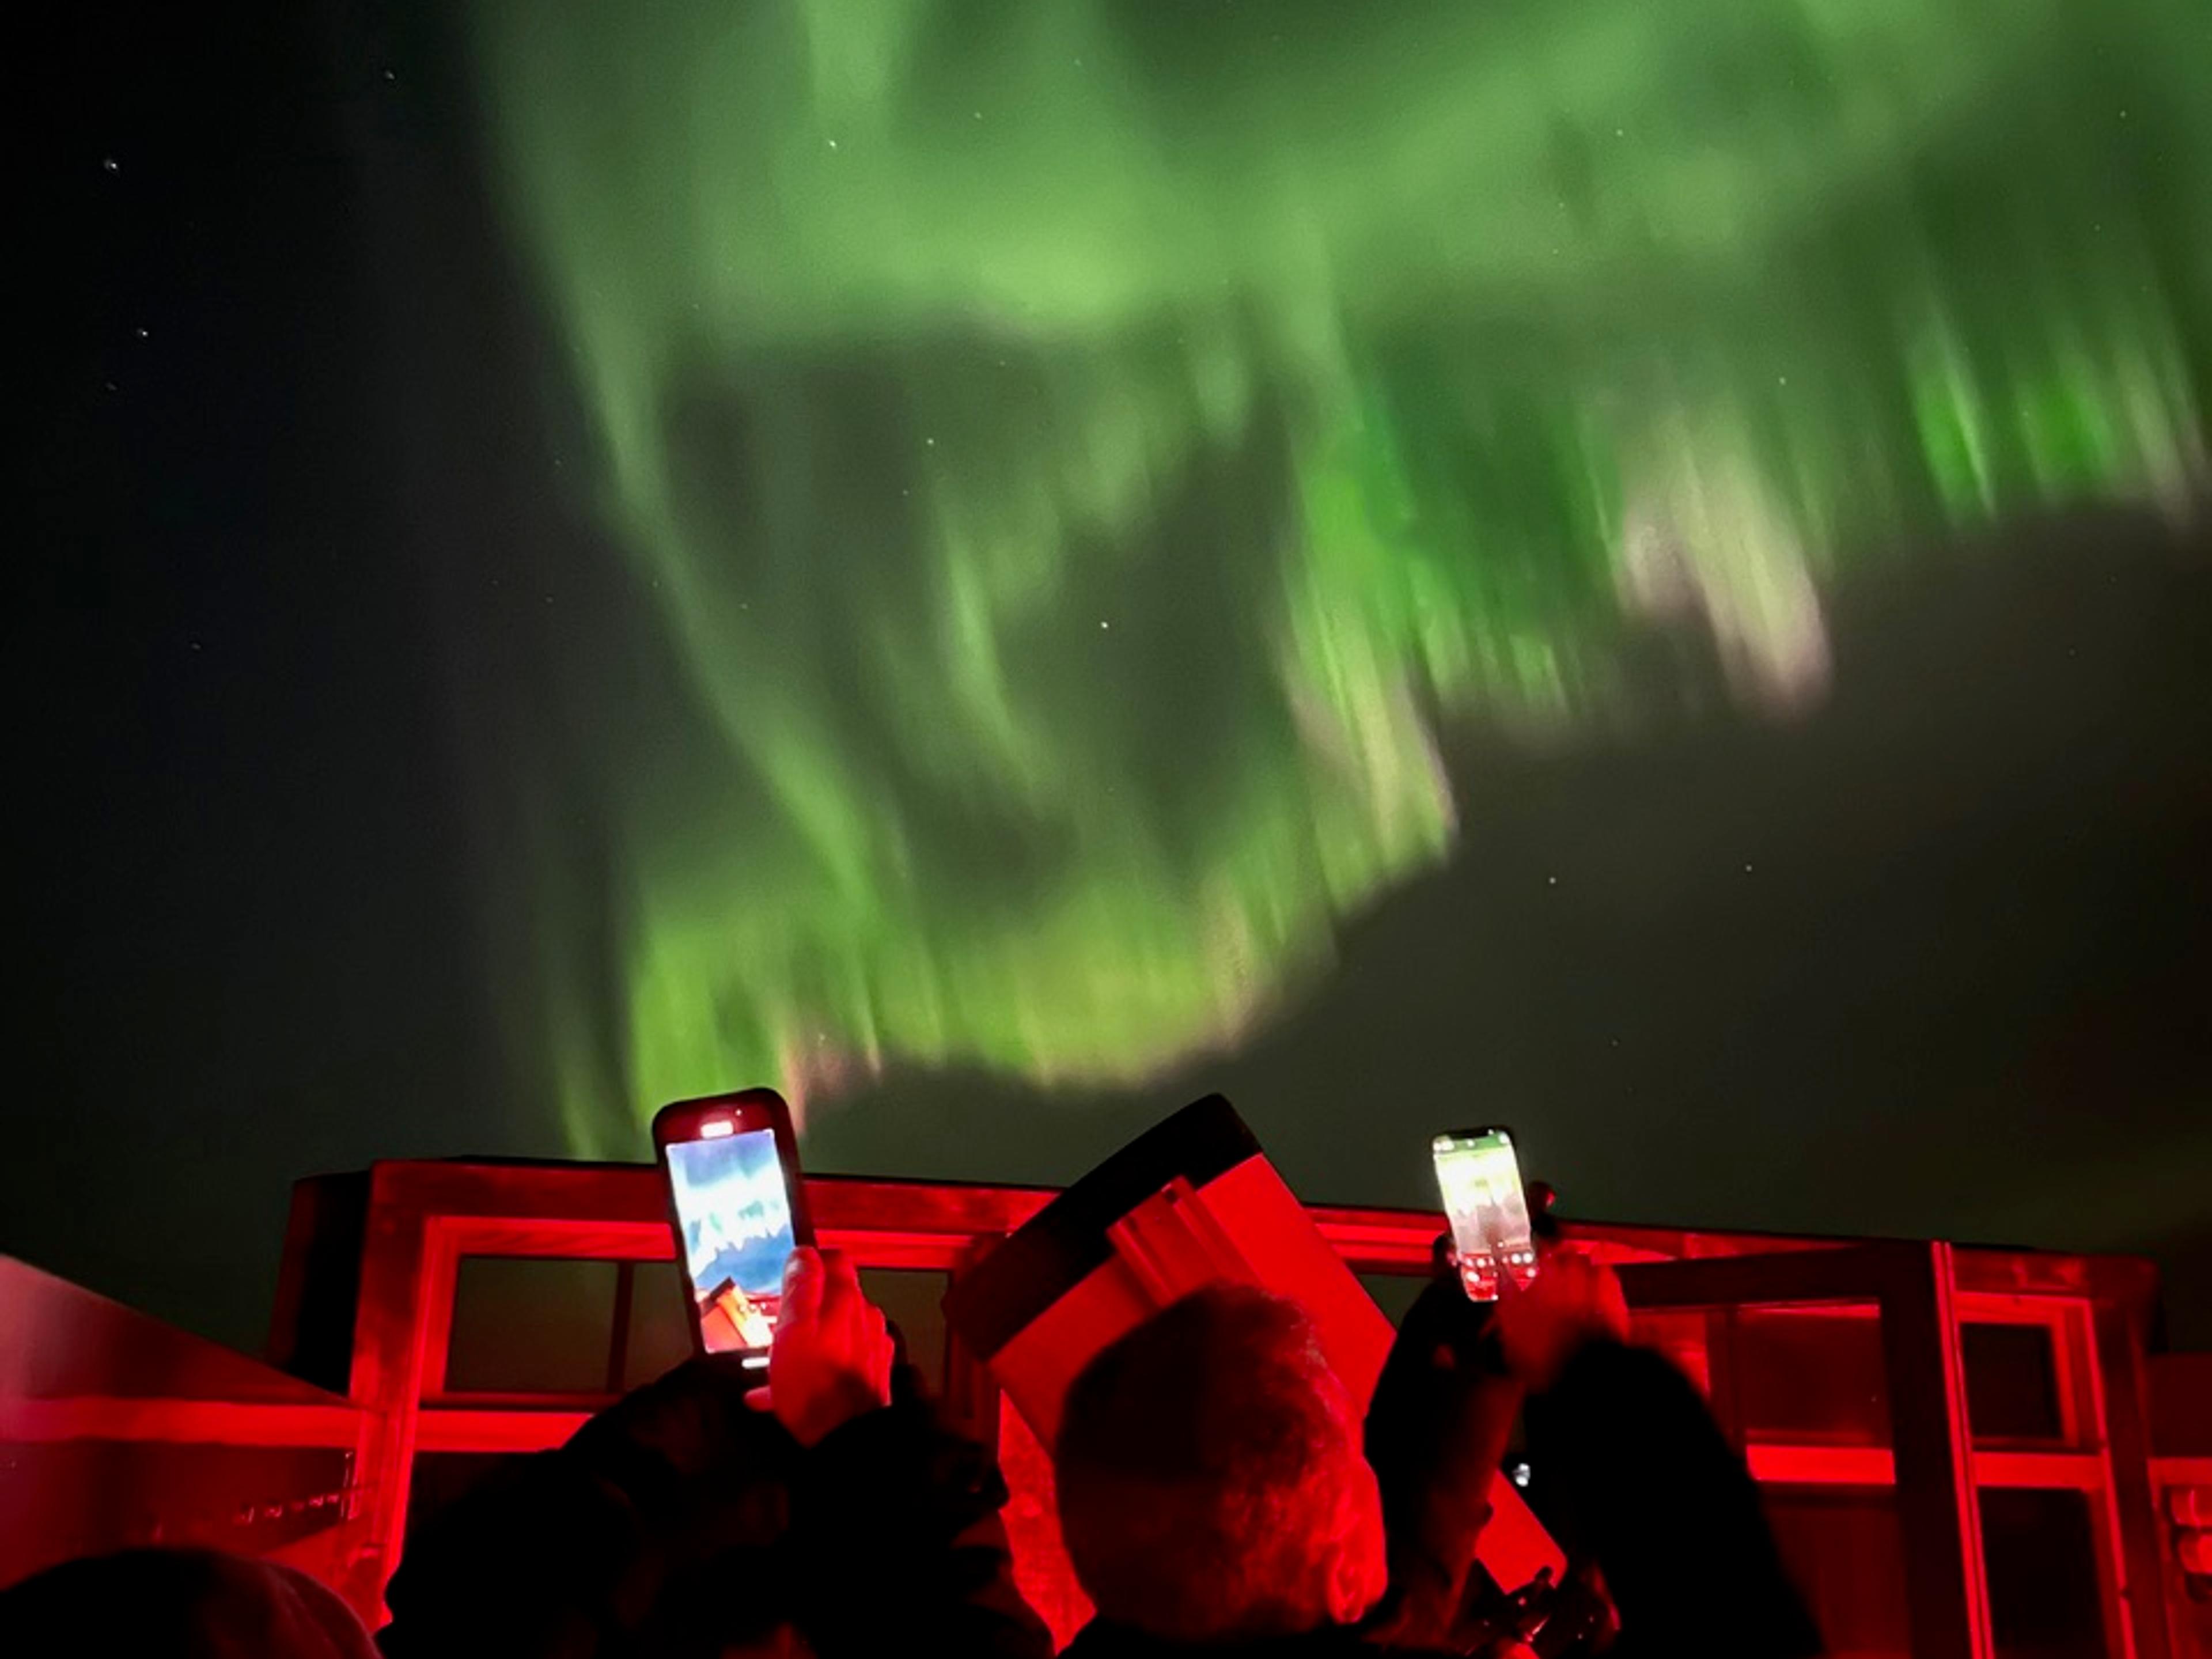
[(1082, 451)]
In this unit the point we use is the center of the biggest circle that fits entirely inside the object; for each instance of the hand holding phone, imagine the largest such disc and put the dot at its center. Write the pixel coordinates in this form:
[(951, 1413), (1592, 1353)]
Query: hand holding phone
[(1491, 1237), (1542, 1325), (740, 1211), (833, 1354)]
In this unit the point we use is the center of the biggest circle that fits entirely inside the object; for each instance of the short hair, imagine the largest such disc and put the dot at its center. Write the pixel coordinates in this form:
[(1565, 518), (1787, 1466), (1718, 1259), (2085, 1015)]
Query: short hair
[(1204, 1465)]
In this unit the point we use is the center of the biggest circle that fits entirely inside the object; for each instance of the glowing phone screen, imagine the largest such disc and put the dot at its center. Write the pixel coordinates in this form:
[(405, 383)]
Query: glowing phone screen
[(1481, 1178), (734, 1214)]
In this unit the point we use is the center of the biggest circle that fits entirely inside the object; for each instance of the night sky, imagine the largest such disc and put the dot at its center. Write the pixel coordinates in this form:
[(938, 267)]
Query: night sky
[(1644, 576)]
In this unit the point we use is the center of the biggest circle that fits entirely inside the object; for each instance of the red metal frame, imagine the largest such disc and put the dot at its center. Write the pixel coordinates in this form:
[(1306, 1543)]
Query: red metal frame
[(1911, 1286), (175, 1422)]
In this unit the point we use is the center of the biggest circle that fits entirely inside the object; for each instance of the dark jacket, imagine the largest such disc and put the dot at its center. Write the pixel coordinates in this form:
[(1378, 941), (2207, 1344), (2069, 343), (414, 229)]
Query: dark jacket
[(1632, 1472), (680, 1523), (1437, 1431), (1642, 1479), (1103, 1641)]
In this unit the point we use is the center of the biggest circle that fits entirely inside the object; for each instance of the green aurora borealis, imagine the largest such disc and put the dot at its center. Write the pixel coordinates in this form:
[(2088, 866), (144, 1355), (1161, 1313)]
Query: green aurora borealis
[(1085, 455)]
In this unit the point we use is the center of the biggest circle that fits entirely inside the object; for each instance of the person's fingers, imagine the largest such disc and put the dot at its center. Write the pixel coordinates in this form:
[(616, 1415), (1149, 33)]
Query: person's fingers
[(1590, 1293), (868, 1333), (804, 1284), (879, 1377), (1612, 1302), (1585, 1289), (840, 1281), (759, 1401), (883, 1356), (858, 1323), (1573, 1272), (844, 1307)]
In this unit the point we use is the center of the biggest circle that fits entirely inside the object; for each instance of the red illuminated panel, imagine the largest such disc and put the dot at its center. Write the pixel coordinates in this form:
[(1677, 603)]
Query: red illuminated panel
[(1042, 1568)]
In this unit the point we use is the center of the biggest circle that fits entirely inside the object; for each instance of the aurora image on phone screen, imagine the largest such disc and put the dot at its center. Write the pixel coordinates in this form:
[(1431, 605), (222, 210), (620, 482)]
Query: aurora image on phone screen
[(1481, 1178), (735, 1216)]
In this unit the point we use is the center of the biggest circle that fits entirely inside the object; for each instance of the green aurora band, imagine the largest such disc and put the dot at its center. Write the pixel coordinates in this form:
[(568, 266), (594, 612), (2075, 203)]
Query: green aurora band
[(1083, 454)]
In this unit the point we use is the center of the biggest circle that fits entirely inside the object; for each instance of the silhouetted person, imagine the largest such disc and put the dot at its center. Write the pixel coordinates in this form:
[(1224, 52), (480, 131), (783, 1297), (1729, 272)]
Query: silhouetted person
[(177, 1604), (1646, 1483), (1212, 1489), (1215, 1499), (698, 1517)]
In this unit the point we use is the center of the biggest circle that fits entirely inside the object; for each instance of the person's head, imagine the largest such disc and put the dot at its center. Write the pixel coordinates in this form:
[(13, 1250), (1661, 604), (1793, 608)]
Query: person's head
[(1210, 1478), (184, 1603)]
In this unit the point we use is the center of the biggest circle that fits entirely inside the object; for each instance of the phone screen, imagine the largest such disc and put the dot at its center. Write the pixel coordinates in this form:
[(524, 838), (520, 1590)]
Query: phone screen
[(733, 1216), (1481, 1182)]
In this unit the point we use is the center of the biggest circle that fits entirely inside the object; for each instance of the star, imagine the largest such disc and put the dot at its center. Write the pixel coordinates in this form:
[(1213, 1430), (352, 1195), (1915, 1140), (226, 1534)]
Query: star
[(111, 164)]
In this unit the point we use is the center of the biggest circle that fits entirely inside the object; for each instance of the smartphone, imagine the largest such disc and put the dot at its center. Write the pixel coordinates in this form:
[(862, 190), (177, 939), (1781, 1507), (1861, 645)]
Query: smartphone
[(1492, 1237), (739, 1209)]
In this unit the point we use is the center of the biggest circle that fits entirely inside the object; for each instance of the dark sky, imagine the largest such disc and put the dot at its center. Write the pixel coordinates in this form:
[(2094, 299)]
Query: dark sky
[(1929, 957)]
